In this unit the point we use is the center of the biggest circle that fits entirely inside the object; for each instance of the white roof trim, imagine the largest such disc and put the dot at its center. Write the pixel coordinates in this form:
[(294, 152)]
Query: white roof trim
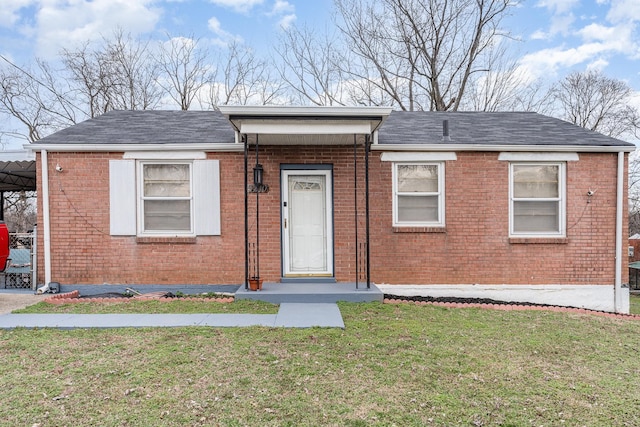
[(305, 127), (213, 147), (420, 156), (273, 110), (164, 155), (501, 148), (17, 155), (538, 157)]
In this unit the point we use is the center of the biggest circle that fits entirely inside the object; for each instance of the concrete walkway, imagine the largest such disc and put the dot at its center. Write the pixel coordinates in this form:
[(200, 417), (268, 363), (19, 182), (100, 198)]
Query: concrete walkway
[(290, 315)]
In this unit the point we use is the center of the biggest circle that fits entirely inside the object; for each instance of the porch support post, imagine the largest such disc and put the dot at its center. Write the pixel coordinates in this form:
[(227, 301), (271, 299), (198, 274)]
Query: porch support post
[(367, 141), (257, 249), (246, 214), (355, 203)]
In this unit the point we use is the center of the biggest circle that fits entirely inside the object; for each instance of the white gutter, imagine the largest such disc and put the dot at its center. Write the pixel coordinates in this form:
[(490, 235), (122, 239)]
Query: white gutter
[(237, 147), (229, 147), (619, 207), (503, 147), (278, 111), (46, 218)]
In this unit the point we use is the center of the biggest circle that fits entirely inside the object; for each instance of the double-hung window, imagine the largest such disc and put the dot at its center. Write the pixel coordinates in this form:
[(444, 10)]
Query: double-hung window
[(537, 199), (153, 196), (418, 194), (166, 203)]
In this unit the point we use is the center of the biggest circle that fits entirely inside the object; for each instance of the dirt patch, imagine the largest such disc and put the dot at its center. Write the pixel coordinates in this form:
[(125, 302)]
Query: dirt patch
[(10, 302)]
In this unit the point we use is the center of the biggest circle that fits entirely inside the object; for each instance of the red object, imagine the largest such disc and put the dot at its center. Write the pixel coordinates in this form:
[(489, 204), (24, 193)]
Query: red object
[(4, 245)]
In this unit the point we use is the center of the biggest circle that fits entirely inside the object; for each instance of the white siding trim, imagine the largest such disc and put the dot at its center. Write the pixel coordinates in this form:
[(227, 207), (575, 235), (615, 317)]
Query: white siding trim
[(122, 197), (538, 157), (418, 156), (206, 197), (164, 155)]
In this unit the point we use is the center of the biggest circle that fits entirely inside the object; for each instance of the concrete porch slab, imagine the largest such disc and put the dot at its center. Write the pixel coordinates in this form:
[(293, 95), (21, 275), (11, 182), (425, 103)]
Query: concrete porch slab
[(296, 292)]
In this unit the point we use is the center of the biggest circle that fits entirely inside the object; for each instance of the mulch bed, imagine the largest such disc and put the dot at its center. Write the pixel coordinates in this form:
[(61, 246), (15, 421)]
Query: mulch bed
[(75, 297), (487, 303)]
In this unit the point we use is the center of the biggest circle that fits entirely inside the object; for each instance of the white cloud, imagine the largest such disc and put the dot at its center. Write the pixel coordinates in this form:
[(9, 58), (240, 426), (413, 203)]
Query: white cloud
[(286, 21), (282, 6), (561, 24), (285, 12), (599, 64), (67, 23), (240, 6), (558, 6), (9, 11), (547, 62), (223, 37), (561, 18), (624, 11)]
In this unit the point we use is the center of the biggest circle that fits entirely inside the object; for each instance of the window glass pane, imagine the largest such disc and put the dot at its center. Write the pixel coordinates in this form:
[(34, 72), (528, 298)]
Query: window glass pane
[(166, 180), (418, 209), (536, 217), (535, 181), (174, 215), (417, 178)]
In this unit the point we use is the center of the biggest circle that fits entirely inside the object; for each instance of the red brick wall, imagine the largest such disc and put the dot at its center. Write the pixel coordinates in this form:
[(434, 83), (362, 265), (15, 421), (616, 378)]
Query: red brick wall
[(475, 247)]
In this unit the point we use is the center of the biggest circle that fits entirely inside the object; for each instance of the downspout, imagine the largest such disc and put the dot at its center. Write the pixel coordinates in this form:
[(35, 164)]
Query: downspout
[(246, 214), (619, 222), (46, 218), (367, 141), (355, 204)]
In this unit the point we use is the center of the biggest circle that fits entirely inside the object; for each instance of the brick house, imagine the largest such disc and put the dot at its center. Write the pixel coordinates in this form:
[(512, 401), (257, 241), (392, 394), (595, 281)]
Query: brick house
[(512, 206)]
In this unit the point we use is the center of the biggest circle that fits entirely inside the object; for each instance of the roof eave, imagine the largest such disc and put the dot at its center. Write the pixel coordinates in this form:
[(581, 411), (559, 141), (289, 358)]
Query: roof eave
[(216, 147), (505, 147)]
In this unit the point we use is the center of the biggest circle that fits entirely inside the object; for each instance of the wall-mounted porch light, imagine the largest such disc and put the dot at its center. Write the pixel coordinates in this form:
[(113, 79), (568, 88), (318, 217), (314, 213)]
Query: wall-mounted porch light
[(258, 174), (258, 180)]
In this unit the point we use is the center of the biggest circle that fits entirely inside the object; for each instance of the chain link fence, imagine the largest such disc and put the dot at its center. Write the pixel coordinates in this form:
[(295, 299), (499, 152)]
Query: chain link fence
[(20, 272)]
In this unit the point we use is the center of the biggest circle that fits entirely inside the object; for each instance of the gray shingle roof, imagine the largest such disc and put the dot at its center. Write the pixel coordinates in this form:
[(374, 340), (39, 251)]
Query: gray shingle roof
[(401, 127), (148, 127), (488, 128)]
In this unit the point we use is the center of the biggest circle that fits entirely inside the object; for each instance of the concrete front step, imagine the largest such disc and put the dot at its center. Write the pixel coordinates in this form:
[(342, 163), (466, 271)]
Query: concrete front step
[(295, 292)]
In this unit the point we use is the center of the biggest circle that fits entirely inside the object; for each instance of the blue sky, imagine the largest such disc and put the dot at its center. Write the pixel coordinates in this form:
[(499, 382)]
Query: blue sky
[(556, 36)]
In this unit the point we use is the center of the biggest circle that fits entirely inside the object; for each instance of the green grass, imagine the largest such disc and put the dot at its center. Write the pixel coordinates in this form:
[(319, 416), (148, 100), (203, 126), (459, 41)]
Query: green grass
[(402, 365), (634, 304), (178, 305)]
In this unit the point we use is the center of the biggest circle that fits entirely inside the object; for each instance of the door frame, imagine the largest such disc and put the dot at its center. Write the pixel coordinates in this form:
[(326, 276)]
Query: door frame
[(299, 169)]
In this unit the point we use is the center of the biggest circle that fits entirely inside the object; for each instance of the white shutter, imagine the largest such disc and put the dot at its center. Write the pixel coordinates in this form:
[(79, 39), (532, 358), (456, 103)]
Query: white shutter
[(122, 197), (206, 197)]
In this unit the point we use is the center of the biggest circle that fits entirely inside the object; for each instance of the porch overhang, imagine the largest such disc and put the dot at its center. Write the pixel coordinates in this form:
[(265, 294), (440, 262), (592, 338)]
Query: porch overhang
[(304, 125)]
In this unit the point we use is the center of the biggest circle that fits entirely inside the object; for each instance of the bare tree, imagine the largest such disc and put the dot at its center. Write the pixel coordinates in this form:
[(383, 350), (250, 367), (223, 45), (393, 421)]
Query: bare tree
[(134, 73), (597, 102), (424, 52), (20, 211), (243, 78), (602, 104), (311, 67), (119, 73), (185, 69), (37, 99), (504, 86)]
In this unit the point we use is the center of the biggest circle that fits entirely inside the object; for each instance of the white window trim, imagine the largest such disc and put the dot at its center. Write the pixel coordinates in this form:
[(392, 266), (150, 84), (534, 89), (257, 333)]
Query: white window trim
[(562, 201), (140, 201), (440, 194)]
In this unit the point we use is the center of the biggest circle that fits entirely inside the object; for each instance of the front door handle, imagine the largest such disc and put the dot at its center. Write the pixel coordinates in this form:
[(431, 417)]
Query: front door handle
[(285, 223)]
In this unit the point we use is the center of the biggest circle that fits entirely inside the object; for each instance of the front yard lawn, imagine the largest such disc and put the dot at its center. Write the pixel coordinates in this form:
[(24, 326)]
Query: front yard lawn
[(173, 305), (404, 365), (634, 304)]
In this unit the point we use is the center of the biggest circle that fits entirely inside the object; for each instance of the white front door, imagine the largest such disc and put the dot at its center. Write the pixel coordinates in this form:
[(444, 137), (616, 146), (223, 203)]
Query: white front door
[(307, 229)]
